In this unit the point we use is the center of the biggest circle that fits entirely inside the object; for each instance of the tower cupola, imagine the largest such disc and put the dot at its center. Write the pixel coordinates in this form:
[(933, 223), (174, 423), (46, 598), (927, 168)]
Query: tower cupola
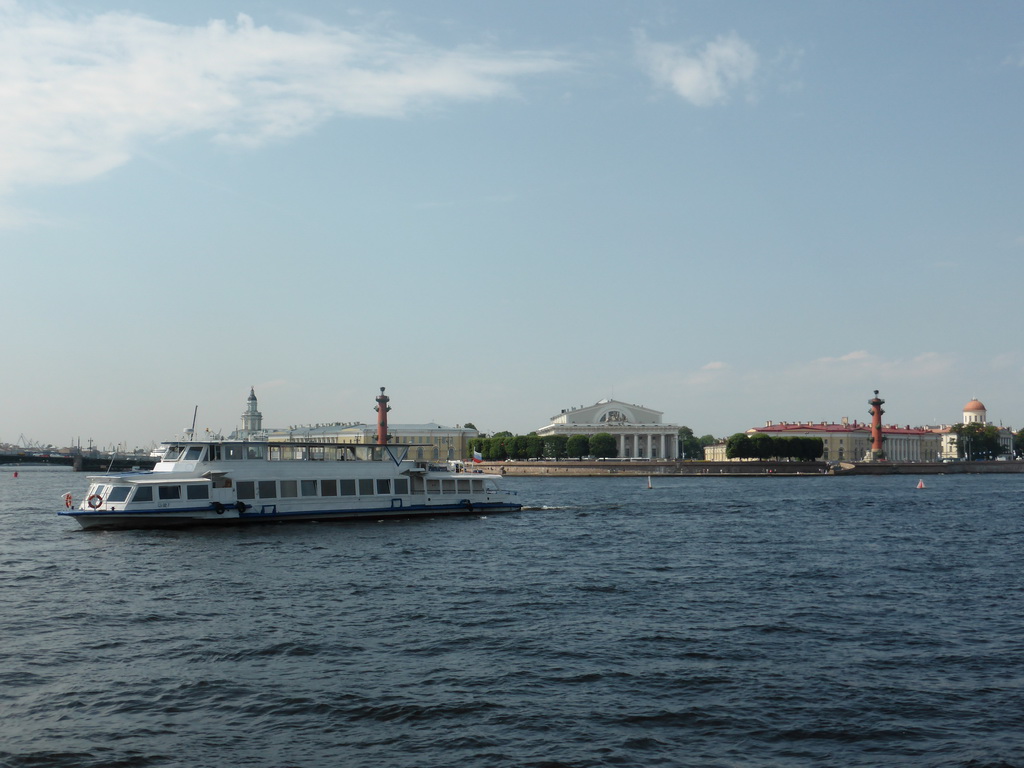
[(252, 419)]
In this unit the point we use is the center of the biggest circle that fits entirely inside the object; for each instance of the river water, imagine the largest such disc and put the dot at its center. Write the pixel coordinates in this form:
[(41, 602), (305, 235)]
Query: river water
[(814, 621)]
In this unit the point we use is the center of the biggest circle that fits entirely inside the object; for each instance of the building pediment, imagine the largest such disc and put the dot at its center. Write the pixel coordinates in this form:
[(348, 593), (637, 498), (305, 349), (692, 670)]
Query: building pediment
[(609, 412)]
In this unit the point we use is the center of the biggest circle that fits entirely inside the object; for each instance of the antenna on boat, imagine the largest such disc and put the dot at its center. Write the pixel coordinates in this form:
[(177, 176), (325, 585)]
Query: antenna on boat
[(192, 432)]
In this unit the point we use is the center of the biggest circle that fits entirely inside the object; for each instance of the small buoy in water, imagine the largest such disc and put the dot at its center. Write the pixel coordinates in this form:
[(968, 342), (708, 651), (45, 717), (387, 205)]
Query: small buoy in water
[(15, 474), (649, 481), (920, 483)]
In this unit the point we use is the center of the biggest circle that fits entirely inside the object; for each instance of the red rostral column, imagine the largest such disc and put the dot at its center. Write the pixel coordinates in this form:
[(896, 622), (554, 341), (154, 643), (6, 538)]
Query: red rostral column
[(382, 409), (876, 427)]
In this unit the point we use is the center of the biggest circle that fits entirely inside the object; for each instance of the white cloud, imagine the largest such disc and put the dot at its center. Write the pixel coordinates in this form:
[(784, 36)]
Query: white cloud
[(79, 95), (704, 77), (860, 354), (864, 364)]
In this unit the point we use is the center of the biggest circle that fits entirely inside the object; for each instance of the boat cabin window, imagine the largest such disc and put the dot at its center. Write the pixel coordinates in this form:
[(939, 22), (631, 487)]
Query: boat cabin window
[(289, 489), (214, 454), (309, 487), (255, 451), (143, 493), (348, 487), (366, 487), (246, 489), (328, 487), (234, 452), (119, 493), (193, 452), (172, 452), (401, 486), (169, 491), (197, 491), (384, 487), (268, 489)]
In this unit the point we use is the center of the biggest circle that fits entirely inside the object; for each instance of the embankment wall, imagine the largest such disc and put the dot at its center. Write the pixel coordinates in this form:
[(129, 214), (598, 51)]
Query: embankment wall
[(740, 468)]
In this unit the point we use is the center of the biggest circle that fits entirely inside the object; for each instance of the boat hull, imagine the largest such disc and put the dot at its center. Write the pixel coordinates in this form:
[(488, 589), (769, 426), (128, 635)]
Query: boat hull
[(240, 483), (107, 520)]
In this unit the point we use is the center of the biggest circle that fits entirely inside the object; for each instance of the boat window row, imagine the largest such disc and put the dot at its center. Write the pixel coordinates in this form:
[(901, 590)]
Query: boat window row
[(285, 489), (118, 494)]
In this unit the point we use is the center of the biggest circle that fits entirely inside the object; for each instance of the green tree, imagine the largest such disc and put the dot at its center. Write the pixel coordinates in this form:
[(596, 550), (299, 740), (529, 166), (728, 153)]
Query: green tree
[(763, 446), (469, 425), (739, 447), (806, 448), (817, 448), (603, 445), (577, 446), (554, 446), (518, 447), (690, 446), (977, 442), (534, 446), (494, 449)]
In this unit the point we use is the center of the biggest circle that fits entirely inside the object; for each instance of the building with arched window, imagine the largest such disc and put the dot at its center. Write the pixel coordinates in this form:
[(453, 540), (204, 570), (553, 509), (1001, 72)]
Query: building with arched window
[(638, 431)]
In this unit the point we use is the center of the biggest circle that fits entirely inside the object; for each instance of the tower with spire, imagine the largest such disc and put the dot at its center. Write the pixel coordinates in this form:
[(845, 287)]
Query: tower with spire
[(252, 419)]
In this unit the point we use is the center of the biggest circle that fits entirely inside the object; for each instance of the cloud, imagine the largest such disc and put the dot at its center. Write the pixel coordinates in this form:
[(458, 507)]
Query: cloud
[(863, 363), (704, 77), (80, 94), (860, 354)]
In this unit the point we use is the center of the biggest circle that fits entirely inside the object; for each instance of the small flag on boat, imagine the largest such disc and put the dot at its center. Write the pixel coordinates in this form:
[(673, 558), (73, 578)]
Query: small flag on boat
[(477, 458)]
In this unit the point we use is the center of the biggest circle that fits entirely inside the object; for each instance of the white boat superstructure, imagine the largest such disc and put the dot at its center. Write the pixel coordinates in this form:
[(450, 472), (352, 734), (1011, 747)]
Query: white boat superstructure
[(197, 482)]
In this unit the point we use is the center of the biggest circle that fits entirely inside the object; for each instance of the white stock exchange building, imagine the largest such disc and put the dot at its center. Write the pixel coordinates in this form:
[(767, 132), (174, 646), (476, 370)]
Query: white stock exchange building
[(638, 431)]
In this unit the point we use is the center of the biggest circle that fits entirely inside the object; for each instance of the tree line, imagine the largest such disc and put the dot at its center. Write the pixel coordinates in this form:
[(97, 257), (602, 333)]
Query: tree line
[(978, 442), (763, 447), (505, 445)]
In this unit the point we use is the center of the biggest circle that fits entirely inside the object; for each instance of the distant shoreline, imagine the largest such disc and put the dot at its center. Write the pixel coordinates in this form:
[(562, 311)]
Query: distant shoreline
[(612, 468)]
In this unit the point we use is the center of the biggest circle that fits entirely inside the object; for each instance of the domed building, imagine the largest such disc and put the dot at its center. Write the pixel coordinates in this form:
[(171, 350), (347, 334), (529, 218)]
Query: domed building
[(975, 412)]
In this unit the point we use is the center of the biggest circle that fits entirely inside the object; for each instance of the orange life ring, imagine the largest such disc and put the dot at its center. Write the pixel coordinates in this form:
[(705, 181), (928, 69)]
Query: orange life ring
[(95, 501), (68, 500)]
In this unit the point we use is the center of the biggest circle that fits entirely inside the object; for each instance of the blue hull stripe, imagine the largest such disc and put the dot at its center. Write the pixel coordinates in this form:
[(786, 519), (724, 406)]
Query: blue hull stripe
[(231, 516)]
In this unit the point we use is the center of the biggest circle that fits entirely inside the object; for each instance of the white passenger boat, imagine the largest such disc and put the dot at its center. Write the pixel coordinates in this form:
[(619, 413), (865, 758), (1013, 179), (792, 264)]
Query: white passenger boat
[(203, 482), (199, 482)]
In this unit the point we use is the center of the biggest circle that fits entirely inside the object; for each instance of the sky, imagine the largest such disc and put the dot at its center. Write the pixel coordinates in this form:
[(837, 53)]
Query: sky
[(731, 212)]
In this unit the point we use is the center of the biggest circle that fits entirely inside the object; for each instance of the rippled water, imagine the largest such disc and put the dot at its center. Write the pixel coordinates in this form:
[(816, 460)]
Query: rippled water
[(812, 621)]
